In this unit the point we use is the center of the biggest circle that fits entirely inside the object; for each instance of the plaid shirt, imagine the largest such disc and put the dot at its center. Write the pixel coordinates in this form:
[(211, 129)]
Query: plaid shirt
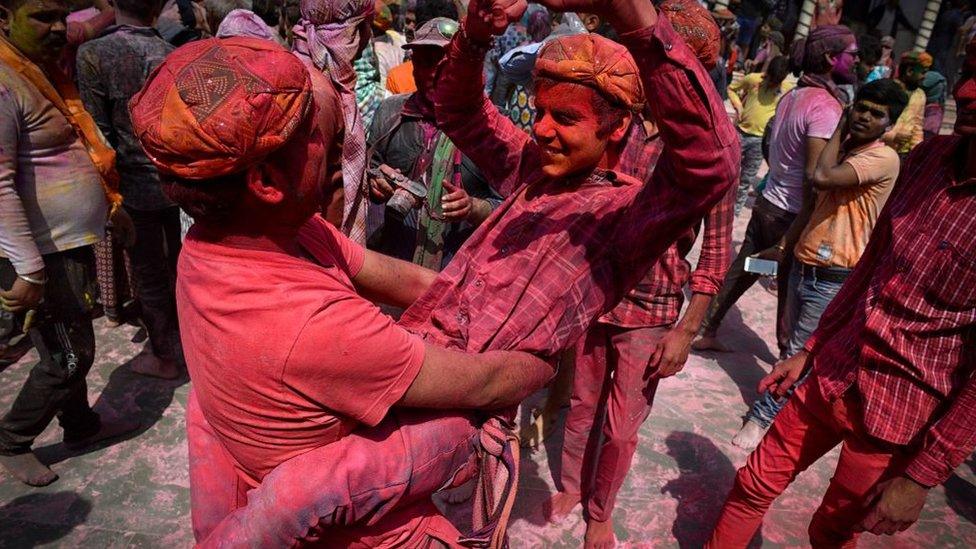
[(902, 330), (557, 254), (657, 299)]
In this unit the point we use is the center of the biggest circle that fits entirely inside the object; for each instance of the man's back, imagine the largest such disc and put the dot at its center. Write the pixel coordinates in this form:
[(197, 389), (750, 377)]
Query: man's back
[(111, 69), (295, 384), (804, 113)]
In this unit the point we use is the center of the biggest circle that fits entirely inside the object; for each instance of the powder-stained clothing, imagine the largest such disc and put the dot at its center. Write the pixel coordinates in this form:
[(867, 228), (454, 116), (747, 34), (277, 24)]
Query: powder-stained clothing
[(901, 331), (842, 219), (557, 254), (909, 128), (803, 113), (51, 194), (657, 299), (112, 69), (326, 362), (757, 104)]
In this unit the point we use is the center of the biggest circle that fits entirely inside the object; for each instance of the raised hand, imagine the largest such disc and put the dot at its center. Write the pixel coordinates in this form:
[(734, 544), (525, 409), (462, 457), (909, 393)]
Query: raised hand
[(487, 18), (624, 15)]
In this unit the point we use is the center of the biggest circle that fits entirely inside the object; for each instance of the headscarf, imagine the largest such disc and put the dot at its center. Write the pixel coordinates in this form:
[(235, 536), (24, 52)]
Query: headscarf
[(216, 107), (245, 23), (695, 24), (808, 54), (920, 58), (594, 61), (330, 38)]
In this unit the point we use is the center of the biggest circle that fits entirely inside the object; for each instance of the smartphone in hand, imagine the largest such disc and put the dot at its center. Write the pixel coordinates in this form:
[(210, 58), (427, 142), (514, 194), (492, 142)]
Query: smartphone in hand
[(758, 266)]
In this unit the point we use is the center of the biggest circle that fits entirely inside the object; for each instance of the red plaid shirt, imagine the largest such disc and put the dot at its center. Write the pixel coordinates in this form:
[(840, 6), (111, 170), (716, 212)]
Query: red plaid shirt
[(902, 330), (657, 298), (557, 254)]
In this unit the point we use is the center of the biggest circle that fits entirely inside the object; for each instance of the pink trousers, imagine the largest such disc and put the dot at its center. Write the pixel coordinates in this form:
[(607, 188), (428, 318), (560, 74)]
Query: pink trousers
[(610, 387), (806, 429), (371, 489)]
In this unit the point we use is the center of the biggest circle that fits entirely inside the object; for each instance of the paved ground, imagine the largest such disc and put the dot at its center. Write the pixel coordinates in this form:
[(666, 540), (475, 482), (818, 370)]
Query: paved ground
[(135, 492)]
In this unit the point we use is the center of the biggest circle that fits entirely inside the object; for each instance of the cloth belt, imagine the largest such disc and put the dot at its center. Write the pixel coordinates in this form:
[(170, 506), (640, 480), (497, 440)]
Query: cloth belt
[(497, 483), (827, 274)]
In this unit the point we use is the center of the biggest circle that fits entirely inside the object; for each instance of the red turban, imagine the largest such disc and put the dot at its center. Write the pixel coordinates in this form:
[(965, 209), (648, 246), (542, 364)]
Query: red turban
[(215, 107), (593, 61), (697, 26)]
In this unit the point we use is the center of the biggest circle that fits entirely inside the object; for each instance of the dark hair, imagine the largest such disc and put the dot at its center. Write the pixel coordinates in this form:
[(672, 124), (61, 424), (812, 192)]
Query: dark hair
[(429, 9), (774, 23), (267, 10), (609, 115), (146, 10), (869, 48), (217, 10), (885, 92), (777, 39), (213, 201), (777, 70)]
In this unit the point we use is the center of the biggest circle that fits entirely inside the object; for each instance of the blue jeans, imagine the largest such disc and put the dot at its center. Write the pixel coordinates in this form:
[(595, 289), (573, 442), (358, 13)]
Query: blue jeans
[(810, 291), (752, 158)]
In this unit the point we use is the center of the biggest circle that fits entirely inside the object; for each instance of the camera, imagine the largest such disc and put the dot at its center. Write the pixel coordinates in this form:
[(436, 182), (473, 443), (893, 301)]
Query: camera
[(407, 193)]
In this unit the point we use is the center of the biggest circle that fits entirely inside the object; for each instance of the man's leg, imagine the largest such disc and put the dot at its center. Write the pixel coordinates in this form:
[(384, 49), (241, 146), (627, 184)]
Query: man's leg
[(629, 403), (56, 385), (864, 462), (751, 146), (586, 411), (157, 293), (804, 431), (355, 482)]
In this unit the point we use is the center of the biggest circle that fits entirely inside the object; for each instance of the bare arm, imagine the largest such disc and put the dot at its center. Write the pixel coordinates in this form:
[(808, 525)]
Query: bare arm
[(392, 281), (830, 172), (492, 380)]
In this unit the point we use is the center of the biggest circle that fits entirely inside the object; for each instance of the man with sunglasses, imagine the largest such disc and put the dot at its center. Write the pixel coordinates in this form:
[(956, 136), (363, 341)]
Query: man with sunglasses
[(891, 364)]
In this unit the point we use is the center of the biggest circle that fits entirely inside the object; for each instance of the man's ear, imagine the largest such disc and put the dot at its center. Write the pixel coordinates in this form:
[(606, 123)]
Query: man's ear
[(260, 186), (5, 17), (620, 132)]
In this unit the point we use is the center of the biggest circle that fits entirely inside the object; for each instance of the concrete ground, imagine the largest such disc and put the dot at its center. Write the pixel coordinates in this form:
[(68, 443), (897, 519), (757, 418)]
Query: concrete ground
[(135, 492)]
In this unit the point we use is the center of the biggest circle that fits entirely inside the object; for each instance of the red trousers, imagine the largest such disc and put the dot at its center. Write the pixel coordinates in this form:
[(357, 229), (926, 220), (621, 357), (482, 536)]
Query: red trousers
[(806, 429), (609, 388), (370, 489)]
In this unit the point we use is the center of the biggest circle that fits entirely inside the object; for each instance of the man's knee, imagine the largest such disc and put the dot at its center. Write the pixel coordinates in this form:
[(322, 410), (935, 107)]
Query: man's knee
[(752, 489)]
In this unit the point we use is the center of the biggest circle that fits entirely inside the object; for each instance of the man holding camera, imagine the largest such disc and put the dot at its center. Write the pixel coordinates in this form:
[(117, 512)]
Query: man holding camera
[(427, 197)]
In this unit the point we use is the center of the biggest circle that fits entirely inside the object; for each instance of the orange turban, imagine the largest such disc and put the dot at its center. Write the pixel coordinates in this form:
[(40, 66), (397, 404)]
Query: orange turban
[(697, 26), (593, 61), (215, 107)]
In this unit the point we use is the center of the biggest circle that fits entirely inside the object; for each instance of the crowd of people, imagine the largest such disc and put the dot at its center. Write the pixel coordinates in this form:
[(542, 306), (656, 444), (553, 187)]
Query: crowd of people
[(432, 209)]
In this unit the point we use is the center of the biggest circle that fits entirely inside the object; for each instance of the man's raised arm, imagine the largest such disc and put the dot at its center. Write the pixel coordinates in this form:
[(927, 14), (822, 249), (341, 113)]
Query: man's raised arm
[(503, 152)]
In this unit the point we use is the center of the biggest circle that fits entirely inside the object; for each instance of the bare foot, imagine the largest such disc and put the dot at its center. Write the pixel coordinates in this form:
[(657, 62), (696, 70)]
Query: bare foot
[(599, 535), (749, 436), (560, 505), (706, 342), (110, 429), (28, 469), (148, 364)]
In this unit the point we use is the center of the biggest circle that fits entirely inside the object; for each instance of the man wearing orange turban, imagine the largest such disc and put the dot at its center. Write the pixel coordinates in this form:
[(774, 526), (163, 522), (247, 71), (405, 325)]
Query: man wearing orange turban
[(572, 237)]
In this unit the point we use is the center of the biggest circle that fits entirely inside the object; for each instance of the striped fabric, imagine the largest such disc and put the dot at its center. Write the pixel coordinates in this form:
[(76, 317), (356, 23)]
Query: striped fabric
[(902, 330)]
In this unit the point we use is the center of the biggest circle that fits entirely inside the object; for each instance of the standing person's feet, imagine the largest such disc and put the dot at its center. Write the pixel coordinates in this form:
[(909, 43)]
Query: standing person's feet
[(560, 505), (749, 436), (599, 535), (148, 364), (28, 469), (110, 428), (709, 342)]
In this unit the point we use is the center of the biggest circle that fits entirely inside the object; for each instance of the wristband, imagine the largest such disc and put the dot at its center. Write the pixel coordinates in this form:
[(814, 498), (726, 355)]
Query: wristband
[(34, 281)]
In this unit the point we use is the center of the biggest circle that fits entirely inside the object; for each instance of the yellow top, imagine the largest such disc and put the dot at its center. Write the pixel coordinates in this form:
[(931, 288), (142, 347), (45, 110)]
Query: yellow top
[(754, 102)]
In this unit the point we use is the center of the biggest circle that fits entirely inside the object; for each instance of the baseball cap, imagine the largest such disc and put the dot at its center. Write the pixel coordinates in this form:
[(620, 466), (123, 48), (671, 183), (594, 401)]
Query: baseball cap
[(436, 32)]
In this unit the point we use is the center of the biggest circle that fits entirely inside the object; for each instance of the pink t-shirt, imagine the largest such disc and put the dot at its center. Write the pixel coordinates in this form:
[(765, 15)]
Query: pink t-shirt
[(802, 113), (283, 354)]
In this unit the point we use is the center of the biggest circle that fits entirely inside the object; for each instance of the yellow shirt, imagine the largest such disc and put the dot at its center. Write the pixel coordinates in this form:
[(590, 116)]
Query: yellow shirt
[(908, 130), (755, 103), (843, 219)]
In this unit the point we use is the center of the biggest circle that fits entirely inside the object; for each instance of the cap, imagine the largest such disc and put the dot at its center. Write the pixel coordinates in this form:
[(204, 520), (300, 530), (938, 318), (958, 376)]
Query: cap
[(436, 32)]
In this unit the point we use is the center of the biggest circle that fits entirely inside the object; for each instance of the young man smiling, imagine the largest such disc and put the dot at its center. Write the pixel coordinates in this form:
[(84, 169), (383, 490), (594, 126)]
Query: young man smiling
[(853, 178), (569, 241)]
